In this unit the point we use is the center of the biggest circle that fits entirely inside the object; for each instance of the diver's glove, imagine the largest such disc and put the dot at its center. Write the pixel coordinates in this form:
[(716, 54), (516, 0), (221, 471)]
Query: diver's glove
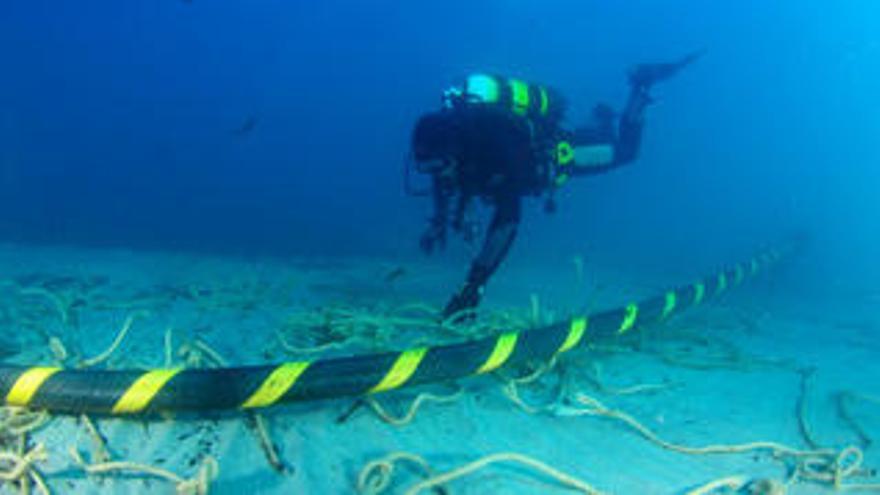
[(467, 298), (435, 236), (643, 76)]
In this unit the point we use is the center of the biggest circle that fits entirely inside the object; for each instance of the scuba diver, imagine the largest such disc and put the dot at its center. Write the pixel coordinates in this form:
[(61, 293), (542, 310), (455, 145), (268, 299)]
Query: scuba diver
[(500, 140)]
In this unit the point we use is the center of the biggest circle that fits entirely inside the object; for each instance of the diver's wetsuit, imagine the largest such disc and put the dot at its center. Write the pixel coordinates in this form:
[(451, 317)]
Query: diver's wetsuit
[(497, 162), (501, 156)]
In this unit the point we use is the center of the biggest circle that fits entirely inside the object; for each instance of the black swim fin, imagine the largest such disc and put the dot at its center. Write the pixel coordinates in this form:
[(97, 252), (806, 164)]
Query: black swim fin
[(643, 76)]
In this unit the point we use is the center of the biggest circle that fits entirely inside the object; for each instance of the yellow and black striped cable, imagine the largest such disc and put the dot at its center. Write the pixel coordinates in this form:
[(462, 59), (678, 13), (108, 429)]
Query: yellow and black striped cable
[(128, 392)]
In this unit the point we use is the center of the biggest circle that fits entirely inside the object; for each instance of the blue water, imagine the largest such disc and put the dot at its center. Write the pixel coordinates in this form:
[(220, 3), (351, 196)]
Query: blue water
[(277, 130), (117, 121)]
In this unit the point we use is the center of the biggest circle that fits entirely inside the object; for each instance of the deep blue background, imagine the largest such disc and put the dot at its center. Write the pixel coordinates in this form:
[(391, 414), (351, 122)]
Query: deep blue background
[(116, 122)]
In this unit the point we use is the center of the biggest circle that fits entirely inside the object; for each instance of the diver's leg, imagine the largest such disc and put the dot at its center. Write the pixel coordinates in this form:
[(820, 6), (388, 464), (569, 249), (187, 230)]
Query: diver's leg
[(632, 121), (593, 142), (461, 207), (435, 234), (502, 232), (641, 79), (598, 149)]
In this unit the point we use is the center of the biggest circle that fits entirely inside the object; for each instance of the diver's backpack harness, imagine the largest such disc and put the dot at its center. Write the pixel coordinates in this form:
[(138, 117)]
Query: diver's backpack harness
[(542, 108)]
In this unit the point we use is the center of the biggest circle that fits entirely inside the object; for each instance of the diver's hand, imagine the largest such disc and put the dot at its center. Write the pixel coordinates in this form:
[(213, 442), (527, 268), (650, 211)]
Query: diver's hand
[(460, 307), (435, 236)]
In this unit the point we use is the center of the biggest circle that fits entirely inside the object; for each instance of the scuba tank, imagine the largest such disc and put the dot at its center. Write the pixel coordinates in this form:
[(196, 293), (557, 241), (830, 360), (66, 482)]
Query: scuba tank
[(543, 106)]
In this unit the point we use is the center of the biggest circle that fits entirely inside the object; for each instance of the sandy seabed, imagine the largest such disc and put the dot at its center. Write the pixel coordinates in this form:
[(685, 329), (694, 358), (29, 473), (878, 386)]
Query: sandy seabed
[(756, 366)]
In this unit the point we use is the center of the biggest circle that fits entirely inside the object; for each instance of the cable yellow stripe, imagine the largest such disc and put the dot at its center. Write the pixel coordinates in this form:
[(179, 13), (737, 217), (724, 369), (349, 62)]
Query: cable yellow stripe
[(722, 283), (141, 392), (575, 334), (27, 384), (699, 293), (669, 306), (629, 318), (401, 370), (500, 353), (276, 384)]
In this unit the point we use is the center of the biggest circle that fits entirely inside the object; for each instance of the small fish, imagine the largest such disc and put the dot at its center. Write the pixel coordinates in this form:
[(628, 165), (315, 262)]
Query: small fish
[(246, 127), (395, 274)]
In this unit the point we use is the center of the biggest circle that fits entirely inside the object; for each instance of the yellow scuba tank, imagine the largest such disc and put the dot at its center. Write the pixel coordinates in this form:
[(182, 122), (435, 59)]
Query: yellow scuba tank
[(539, 103)]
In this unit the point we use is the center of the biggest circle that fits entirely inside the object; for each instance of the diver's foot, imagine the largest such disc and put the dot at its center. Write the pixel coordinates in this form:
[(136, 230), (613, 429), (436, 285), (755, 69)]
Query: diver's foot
[(644, 76)]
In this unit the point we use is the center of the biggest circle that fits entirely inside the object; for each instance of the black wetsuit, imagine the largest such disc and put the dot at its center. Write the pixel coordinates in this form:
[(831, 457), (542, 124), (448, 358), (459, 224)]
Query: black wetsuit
[(501, 157)]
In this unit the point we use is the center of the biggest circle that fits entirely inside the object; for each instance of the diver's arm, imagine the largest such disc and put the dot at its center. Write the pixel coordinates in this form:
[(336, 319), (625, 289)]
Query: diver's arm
[(436, 232), (440, 191), (461, 206), (499, 238)]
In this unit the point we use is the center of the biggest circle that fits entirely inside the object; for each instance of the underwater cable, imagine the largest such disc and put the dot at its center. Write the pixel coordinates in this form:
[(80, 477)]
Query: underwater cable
[(131, 392)]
